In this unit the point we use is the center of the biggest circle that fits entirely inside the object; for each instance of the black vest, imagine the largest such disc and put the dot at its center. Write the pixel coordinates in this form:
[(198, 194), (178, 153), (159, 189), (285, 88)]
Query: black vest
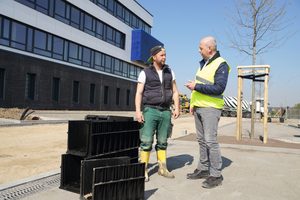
[(157, 94)]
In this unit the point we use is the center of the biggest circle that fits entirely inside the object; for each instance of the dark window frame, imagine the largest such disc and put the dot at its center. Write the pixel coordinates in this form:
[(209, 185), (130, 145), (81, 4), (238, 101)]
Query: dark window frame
[(64, 51), (106, 95), (92, 93), (128, 98), (2, 83), (65, 12), (75, 92), (118, 95), (55, 90), (30, 86), (127, 14)]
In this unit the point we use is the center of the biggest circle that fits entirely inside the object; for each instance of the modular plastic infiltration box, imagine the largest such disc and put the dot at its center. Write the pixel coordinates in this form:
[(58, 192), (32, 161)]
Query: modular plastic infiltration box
[(119, 182), (76, 173), (92, 138)]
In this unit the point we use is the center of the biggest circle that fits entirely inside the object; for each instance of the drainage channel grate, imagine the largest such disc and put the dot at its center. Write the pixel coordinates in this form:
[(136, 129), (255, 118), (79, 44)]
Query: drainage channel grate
[(29, 188)]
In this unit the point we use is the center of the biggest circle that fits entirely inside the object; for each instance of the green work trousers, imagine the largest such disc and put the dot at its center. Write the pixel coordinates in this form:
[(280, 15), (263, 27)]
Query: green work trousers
[(156, 122)]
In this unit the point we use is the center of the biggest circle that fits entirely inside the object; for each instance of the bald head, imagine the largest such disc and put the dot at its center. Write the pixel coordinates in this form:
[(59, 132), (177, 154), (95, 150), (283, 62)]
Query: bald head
[(208, 47), (210, 42)]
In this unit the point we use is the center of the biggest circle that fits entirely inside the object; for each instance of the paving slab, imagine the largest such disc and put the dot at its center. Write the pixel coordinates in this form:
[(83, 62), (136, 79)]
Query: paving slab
[(249, 172)]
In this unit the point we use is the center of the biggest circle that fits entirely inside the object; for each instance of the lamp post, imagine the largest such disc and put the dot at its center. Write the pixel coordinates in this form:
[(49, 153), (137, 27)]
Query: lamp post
[(286, 96)]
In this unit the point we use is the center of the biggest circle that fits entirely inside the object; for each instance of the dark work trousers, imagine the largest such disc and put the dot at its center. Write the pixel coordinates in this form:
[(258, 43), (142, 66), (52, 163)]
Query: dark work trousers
[(156, 122)]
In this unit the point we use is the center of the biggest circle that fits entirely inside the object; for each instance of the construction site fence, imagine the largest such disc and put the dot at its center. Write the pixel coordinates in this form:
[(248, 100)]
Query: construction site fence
[(293, 113)]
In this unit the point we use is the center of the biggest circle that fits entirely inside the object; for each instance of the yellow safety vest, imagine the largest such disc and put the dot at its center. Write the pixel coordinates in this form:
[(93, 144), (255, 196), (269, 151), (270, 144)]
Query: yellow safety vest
[(206, 76)]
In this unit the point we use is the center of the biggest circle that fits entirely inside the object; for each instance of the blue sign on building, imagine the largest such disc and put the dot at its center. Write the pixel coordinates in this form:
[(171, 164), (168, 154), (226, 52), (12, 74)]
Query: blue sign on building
[(141, 44)]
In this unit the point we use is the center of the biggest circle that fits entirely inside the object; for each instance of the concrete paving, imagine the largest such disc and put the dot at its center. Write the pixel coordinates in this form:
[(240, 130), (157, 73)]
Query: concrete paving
[(249, 172)]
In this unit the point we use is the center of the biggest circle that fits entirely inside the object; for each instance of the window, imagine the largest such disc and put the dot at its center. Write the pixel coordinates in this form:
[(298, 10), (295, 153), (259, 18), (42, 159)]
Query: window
[(127, 17), (120, 12), (86, 57), (75, 53), (58, 48), (30, 86), (119, 40), (42, 43), (105, 100), (18, 36), (29, 39), (29, 3), (32, 40), (62, 11), (128, 98), (132, 73), (55, 89), (75, 93), (110, 7), (110, 35), (118, 67), (89, 25), (2, 83), (102, 3), (138, 71), (92, 93), (67, 13), (42, 6), (99, 30), (98, 61), (118, 96), (4, 29), (75, 17), (125, 70), (134, 22), (108, 63), (141, 25)]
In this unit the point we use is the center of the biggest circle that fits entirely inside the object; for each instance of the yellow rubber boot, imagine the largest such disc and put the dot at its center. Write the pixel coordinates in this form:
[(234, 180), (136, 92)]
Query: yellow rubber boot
[(162, 164), (145, 158)]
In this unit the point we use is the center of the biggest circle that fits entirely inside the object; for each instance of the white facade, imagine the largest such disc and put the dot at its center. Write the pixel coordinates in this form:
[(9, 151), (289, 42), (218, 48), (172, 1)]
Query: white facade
[(22, 13)]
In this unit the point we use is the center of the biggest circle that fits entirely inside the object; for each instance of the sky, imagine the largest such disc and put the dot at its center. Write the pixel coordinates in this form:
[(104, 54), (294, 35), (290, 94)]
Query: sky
[(180, 26)]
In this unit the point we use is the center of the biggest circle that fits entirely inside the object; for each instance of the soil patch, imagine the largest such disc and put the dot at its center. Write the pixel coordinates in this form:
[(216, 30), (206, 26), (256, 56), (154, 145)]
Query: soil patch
[(15, 113), (31, 150), (247, 141)]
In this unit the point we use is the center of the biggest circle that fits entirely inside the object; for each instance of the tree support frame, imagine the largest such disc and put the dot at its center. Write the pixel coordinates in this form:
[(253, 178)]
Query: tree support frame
[(261, 73)]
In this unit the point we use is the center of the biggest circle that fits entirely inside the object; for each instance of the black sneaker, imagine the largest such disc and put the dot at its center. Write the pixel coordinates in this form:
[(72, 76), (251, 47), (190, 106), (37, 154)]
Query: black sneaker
[(197, 174), (212, 182)]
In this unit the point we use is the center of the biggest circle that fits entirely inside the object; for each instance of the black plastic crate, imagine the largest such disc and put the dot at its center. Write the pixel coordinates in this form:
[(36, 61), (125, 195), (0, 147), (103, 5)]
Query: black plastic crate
[(118, 172), (87, 170), (102, 143), (70, 172), (132, 153), (92, 138), (108, 118), (77, 173), (130, 189)]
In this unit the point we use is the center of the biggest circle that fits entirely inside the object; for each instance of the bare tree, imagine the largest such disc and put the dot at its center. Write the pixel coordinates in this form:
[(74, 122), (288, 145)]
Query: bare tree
[(260, 91), (256, 27)]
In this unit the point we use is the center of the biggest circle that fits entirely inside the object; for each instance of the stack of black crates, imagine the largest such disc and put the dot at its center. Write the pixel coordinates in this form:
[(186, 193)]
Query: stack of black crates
[(101, 161)]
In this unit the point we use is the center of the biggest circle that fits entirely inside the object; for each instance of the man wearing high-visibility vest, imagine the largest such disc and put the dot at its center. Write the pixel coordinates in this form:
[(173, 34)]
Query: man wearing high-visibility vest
[(206, 105)]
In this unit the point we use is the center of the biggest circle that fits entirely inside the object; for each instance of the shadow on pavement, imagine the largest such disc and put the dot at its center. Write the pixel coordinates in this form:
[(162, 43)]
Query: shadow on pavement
[(174, 162), (225, 162), (149, 193)]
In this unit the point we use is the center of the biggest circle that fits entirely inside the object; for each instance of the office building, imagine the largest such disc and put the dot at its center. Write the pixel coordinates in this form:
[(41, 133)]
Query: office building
[(71, 54)]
